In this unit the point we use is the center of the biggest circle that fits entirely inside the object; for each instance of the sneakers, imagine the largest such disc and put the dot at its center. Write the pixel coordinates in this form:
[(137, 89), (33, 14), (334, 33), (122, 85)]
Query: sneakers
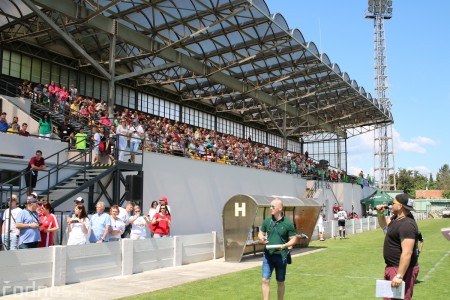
[(322, 239)]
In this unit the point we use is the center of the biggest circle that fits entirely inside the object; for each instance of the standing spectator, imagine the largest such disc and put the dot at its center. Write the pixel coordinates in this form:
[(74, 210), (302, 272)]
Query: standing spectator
[(23, 131), (63, 96), (122, 134), (341, 216), (28, 223), (78, 226), (100, 224), (276, 230), (117, 225), (138, 224), (80, 140), (320, 226), (45, 126), (418, 249), (161, 222), (154, 208), (53, 90), (137, 134), (125, 215), (49, 225), (400, 239), (73, 92), (10, 234), (36, 164), (3, 123), (96, 139)]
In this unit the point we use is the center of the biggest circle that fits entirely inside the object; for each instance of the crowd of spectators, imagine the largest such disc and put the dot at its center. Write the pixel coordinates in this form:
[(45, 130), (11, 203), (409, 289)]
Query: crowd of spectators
[(144, 132)]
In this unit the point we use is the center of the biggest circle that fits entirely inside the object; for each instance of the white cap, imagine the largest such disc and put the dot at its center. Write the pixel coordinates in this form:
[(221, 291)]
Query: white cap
[(34, 194)]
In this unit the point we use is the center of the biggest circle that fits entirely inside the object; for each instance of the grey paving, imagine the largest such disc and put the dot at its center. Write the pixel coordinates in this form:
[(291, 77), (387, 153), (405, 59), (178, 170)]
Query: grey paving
[(123, 286)]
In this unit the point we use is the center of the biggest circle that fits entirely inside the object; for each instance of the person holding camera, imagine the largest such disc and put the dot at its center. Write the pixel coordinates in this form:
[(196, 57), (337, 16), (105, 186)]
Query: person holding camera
[(78, 225), (49, 225), (276, 230), (28, 223)]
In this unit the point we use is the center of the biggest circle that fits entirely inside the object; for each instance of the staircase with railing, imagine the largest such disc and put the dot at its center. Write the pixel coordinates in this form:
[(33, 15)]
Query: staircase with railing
[(66, 177)]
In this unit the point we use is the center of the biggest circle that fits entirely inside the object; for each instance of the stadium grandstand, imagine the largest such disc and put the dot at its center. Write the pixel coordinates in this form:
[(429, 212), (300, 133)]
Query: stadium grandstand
[(228, 67), (230, 100)]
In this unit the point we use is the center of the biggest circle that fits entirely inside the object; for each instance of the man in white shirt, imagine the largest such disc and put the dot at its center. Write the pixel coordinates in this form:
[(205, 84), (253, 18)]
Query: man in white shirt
[(11, 241), (124, 215)]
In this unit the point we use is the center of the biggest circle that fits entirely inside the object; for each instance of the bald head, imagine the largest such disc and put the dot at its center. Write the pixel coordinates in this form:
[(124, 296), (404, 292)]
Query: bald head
[(276, 207)]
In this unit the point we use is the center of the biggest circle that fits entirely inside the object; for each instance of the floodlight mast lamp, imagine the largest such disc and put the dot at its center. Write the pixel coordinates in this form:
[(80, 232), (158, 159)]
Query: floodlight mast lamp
[(383, 152)]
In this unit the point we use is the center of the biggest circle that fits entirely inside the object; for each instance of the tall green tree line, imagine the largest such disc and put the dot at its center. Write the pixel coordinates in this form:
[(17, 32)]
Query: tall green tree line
[(412, 180)]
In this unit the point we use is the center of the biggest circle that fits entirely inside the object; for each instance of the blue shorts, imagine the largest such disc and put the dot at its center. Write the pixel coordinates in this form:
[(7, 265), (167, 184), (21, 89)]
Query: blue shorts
[(277, 262), (134, 146)]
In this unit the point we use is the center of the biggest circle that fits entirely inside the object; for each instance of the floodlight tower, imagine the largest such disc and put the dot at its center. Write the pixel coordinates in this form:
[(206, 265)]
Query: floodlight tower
[(383, 154)]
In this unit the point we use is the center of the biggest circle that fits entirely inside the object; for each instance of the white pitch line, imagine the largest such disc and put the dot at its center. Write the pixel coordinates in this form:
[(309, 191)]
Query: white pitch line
[(435, 266)]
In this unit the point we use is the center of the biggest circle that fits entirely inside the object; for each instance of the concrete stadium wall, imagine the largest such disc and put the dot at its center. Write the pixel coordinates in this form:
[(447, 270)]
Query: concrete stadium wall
[(28, 270), (197, 190)]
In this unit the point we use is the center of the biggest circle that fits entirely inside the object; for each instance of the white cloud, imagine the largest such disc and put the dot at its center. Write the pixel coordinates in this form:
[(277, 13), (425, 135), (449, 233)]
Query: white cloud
[(424, 140), (410, 147), (400, 145)]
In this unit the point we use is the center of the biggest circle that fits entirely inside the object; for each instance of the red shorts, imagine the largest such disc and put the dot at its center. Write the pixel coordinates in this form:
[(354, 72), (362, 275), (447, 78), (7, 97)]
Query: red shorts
[(409, 278)]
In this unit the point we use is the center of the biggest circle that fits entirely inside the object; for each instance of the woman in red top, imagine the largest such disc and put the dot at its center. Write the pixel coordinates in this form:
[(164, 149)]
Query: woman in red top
[(161, 223), (63, 95), (49, 225)]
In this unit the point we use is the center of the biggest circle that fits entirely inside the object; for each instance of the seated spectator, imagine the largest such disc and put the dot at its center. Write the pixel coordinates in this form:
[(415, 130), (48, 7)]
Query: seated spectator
[(38, 93), (3, 123), (23, 131), (78, 226), (49, 225), (14, 129)]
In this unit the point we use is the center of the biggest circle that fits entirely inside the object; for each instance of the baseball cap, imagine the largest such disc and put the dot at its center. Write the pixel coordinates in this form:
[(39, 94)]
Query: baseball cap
[(406, 201), (79, 199), (31, 200), (34, 194), (163, 198)]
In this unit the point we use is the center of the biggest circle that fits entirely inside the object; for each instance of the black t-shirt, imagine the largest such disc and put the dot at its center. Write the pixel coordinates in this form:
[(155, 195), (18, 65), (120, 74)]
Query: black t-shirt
[(65, 130), (398, 230)]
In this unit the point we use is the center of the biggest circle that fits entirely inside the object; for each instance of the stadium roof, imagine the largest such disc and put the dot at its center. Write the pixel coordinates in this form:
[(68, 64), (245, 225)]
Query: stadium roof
[(233, 55)]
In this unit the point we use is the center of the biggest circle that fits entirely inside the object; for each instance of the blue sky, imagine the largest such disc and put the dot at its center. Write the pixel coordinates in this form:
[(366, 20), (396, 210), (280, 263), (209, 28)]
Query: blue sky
[(418, 50)]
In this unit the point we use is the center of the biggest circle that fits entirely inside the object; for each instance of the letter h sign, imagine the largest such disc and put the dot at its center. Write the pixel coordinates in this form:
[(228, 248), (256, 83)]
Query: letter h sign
[(239, 209)]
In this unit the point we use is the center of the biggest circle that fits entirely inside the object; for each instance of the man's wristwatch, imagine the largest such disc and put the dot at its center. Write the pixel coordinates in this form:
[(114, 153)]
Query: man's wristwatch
[(398, 276)]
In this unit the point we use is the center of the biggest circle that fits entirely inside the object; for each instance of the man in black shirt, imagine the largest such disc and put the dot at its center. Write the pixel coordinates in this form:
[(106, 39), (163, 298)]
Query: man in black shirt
[(65, 130), (399, 243)]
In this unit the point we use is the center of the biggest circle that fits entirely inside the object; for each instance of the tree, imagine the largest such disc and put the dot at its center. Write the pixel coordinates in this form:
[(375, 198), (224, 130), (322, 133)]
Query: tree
[(446, 194), (410, 181), (431, 183), (443, 178)]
